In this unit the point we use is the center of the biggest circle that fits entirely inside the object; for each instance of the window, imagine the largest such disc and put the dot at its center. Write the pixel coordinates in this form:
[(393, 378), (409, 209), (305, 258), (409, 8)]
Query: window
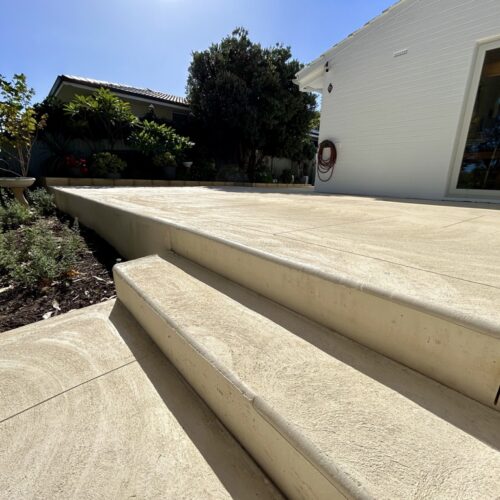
[(480, 167)]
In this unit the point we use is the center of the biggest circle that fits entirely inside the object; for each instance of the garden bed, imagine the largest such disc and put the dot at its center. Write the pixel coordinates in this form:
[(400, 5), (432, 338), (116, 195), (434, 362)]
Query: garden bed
[(50, 265)]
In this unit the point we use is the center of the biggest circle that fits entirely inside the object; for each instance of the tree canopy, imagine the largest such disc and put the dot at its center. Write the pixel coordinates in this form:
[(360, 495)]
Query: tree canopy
[(244, 102)]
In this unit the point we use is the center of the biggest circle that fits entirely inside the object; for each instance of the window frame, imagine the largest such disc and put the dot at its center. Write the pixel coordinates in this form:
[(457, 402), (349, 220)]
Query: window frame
[(468, 110)]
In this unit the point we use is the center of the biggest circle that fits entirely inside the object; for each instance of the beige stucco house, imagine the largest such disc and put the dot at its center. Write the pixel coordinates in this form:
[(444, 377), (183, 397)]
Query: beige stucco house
[(412, 102), (142, 100)]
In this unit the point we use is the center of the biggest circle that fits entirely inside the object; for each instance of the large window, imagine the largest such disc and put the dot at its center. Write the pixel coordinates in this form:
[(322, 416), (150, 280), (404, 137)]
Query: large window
[(480, 168)]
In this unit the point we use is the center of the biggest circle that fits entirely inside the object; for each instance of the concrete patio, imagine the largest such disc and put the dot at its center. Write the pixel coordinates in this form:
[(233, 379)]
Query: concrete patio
[(350, 345), (414, 265)]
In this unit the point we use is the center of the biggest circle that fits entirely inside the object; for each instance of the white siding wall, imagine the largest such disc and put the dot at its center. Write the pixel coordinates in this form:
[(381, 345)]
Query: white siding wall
[(395, 119)]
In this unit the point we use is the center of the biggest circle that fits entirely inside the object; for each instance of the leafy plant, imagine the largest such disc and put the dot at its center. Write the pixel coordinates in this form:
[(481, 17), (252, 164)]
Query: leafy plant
[(152, 139), (35, 257), (19, 124), (203, 170), (164, 160), (101, 116), (13, 215), (57, 135), (42, 202), (107, 163)]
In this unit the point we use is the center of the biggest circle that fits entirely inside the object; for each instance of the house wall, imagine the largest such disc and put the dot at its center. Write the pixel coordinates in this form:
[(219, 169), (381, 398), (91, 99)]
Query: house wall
[(67, 91), (395, 120)]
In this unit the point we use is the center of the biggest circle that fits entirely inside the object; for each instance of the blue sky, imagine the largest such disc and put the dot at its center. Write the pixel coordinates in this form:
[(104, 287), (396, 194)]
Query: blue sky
[(148, 43)]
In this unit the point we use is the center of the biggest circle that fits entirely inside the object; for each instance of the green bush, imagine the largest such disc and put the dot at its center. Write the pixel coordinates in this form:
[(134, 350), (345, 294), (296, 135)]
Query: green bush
[(42, 201), (152, 138), (163, 160), (203, 170), (35, 256), (104, 164), (14, 215)]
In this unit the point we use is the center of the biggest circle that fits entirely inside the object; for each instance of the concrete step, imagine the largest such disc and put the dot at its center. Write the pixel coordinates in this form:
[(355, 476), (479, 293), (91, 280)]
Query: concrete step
[(444, 328), (91, 408), (324, 416)]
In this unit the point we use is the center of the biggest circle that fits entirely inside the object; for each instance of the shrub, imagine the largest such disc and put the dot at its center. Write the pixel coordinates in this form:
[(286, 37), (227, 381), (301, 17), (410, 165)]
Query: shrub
[(163, 160), (152, 138), (203, 170), (42, 201), (14, 215), (104, 164), (263, 174), (35, 257)]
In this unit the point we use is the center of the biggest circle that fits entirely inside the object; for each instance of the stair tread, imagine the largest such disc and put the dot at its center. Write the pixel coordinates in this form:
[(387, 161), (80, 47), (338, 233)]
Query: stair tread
[(389, 429), (93, 409)]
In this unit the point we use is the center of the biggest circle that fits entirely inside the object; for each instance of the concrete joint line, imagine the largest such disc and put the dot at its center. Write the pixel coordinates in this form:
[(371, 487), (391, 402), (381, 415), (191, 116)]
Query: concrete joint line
[(93, 379)]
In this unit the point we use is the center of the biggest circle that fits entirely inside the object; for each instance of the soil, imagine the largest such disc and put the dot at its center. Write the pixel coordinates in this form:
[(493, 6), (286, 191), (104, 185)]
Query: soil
[(91, 283)]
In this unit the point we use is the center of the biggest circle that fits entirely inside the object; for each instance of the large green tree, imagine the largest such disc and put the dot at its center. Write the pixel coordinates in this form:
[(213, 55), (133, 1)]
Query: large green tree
[(244, 102)]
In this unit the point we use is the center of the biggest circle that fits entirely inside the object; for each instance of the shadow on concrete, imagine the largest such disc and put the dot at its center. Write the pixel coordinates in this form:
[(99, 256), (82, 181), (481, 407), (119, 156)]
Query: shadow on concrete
[(474, 418), (310, 192), (229, 461)]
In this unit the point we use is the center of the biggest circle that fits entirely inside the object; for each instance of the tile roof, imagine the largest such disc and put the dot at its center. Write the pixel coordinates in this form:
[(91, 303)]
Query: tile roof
[(126, 89)]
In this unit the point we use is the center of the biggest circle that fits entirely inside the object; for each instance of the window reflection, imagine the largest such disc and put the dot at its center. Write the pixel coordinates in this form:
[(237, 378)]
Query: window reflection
[(481, 161)]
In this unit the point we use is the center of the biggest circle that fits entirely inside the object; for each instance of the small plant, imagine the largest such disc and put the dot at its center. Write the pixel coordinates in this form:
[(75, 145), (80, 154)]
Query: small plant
[(19, 123), (14, 215), (42, 202), (153, 139), (74, 164), (164, 160), (35, 257), (203, 170), (107, 164)]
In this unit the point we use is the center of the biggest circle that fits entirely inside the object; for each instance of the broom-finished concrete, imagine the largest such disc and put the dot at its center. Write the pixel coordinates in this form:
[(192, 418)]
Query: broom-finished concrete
[(416, 281), (89, 408), (324, 416)]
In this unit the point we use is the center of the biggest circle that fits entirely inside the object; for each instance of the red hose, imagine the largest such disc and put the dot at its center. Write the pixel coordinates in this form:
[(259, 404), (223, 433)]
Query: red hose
[(325, 167)]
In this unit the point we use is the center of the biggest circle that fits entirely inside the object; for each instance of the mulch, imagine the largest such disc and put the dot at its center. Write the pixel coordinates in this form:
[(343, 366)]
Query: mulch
[(92, 283)]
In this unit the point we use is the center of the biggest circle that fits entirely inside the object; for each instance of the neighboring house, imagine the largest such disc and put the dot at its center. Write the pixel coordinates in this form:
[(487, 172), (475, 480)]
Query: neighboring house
[(142, 100), (412, 102)]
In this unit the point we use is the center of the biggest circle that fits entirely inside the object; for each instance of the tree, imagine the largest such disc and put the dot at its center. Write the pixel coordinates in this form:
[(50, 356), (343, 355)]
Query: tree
[(18, 122), (244, 102), (101, 116)]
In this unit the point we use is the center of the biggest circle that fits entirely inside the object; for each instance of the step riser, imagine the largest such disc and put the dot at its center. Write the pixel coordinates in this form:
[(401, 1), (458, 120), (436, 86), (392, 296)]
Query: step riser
[(295, 466), (464, 357)]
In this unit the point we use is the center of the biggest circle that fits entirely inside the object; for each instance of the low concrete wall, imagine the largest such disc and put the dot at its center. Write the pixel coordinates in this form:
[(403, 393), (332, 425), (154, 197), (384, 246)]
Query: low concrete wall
[(436, 342), (88, 181)]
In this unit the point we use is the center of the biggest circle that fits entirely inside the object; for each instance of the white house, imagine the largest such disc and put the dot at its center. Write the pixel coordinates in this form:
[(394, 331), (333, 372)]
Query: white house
[(412, 102)]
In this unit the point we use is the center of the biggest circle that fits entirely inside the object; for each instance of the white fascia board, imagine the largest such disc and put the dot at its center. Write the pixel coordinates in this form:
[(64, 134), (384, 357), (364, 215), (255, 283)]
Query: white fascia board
[(310, 78), (307, 78)]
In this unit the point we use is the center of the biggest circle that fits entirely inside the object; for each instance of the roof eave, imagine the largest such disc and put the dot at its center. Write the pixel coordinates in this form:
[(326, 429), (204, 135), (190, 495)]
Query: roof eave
[(128, 94), (310, 78)]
